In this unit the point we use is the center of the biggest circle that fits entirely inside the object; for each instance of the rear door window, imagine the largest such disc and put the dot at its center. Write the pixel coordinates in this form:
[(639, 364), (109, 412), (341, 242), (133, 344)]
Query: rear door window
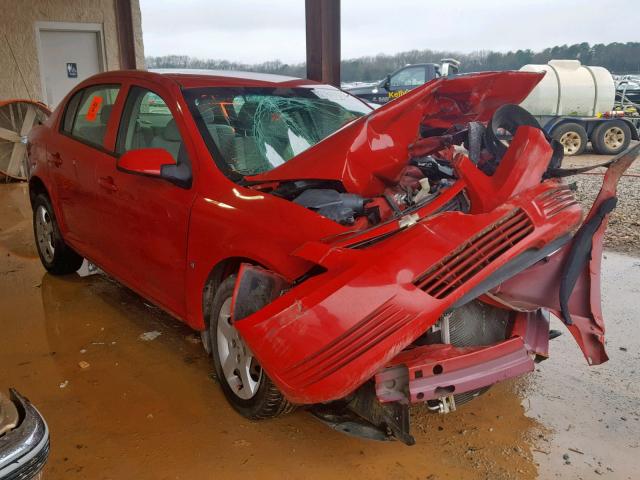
[(92, 114)]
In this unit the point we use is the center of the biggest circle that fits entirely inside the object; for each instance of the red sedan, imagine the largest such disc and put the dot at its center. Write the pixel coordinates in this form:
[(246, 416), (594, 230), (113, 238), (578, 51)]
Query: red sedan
[(359, 261)]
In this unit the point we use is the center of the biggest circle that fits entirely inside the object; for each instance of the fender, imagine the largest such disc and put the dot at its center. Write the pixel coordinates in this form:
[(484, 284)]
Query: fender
[(568, 282)]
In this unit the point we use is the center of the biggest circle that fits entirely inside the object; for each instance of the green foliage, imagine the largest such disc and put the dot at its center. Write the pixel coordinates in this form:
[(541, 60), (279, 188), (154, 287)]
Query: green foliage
[(185, 61), (616, 57)]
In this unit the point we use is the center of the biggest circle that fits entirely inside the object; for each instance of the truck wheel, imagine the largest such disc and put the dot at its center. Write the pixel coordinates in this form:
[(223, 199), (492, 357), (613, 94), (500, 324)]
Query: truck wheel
[(56, 256), (572, 136), (245, 385), (611, 137)]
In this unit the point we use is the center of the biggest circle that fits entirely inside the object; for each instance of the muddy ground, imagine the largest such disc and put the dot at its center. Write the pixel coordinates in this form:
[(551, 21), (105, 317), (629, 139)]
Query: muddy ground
[(150, 409)]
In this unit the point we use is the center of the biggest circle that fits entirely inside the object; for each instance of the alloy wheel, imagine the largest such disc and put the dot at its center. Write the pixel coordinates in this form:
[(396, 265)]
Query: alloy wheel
[(44, 233), (240, 369)]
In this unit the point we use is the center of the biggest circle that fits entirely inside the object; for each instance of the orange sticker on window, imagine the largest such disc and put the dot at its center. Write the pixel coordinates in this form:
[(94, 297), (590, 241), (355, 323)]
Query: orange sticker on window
[(92, 113)]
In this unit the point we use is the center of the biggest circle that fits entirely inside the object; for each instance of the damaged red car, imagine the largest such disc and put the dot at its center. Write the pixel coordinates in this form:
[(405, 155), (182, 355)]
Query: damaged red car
[(353, 261)]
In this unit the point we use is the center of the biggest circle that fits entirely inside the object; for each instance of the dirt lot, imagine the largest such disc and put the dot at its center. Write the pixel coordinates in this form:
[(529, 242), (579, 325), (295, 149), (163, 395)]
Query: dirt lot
[(150, 410)]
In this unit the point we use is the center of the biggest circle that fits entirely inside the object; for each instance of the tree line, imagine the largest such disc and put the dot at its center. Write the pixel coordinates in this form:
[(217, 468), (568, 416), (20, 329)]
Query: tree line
[(621, 58)]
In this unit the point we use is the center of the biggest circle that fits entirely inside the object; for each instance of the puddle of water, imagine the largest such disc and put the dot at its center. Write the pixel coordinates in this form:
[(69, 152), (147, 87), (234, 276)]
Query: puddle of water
[(593, 412)]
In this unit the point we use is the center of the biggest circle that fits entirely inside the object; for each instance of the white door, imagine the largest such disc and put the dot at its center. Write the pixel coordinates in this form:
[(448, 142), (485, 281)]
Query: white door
[(67, 57)]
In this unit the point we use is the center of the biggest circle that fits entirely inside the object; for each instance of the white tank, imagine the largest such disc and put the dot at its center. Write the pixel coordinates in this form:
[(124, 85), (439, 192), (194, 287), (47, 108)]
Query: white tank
[(570, 88)]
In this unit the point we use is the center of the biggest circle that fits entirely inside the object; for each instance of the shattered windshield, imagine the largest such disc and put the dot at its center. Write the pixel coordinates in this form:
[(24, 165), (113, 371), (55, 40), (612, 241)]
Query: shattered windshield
[(254, 129)]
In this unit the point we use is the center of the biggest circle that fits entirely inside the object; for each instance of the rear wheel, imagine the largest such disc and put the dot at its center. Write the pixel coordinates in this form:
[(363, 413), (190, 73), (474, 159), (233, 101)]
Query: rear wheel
[(573, 138), (56, 256), (611, 137), (245, 385)]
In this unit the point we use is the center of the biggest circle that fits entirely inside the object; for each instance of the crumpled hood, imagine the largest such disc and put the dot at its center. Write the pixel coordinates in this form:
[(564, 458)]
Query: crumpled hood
[(371, 152)]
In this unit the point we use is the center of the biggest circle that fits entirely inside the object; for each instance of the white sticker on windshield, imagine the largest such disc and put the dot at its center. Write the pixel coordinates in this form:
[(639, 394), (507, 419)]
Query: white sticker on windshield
[(273, 157), (298, 143)]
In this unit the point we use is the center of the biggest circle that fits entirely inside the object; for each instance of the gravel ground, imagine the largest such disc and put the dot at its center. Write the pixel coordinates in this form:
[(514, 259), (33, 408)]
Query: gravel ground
[(623, 233)]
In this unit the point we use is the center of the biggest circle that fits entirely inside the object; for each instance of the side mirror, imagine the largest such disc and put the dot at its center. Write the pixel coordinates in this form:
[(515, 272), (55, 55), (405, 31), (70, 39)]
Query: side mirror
[(145, 161), (387, 82), (155, 162)]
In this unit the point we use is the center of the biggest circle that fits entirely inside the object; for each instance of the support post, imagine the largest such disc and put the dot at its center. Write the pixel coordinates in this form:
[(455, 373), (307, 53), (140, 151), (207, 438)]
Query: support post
[(126, 42), (323, 40)]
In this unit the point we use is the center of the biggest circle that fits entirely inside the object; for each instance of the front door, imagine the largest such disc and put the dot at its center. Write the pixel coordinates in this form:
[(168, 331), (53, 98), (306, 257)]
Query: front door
[(67, 58), (145, 219)]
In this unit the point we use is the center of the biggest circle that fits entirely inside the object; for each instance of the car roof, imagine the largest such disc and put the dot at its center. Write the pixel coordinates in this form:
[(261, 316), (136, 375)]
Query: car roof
[(419, 65), (191, 78)]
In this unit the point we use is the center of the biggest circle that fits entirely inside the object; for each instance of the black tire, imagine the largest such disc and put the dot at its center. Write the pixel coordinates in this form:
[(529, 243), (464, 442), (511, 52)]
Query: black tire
[(268, 401), (56, 256), (611, 137), (573, 138)]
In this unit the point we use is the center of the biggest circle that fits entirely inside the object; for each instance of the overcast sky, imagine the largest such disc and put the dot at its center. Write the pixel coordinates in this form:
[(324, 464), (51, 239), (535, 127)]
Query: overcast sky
[(254, 31)]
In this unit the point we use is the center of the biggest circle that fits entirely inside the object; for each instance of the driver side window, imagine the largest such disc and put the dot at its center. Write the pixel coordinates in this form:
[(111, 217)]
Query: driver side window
[(408, 77), (147, 122)]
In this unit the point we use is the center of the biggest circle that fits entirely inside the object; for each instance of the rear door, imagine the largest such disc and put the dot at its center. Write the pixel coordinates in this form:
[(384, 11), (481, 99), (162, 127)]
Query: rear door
[(146, 219), (72, 155)]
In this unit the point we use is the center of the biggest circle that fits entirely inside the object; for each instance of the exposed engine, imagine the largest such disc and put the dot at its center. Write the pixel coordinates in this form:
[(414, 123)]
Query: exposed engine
[(421, 181), (339, 207), (429, 171)]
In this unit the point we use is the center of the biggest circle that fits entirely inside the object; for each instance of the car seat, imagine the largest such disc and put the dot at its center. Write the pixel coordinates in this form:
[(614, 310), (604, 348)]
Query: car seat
[(223, 136), (169, 139), (94, 132)]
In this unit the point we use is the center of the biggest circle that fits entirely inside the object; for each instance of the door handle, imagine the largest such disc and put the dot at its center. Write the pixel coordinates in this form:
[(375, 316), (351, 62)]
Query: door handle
[(56, 159), (108, 184)]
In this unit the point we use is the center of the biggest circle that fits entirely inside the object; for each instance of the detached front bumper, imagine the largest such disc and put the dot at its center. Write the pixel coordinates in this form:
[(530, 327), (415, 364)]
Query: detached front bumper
[(24, 448)]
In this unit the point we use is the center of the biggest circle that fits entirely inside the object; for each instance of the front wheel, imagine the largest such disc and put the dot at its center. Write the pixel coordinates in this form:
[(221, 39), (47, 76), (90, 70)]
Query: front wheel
[(245, 385), (56, 256)]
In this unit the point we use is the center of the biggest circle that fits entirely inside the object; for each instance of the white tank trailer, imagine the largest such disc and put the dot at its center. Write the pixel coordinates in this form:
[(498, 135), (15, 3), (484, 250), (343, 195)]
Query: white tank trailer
[(574, 103)]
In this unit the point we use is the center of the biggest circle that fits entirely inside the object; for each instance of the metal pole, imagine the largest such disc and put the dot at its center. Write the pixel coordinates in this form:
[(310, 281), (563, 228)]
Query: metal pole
[(126, 42), (323, 40)]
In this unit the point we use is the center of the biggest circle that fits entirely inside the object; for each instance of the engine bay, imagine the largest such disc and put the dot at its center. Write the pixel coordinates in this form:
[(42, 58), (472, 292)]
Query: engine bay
[(429, 171)]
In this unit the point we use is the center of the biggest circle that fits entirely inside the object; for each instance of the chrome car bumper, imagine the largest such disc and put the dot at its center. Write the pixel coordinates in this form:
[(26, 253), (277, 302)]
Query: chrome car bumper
[(24, 449)]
